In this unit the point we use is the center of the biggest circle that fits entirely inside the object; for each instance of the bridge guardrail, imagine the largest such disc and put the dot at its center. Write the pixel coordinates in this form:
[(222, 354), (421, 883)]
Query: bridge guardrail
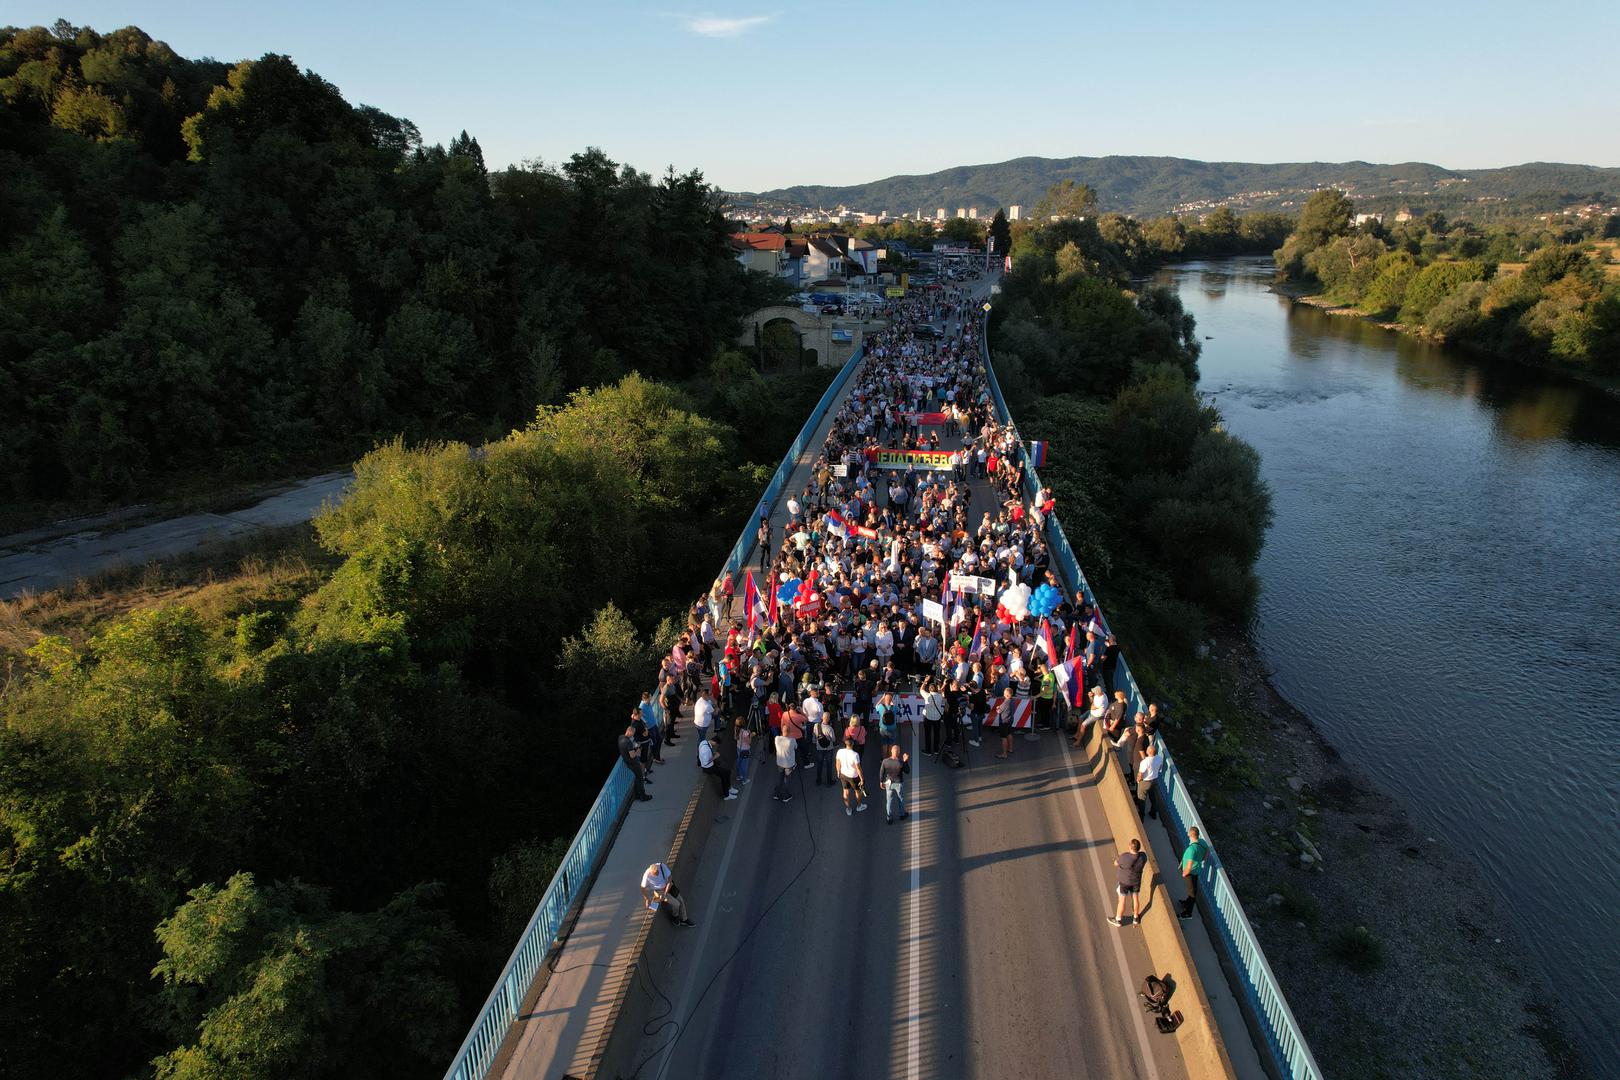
[(590, 844), (1286, 1052)]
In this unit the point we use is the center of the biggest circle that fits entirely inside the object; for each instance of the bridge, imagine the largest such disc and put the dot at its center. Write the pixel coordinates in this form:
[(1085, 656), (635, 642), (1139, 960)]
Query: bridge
[(969, 941)]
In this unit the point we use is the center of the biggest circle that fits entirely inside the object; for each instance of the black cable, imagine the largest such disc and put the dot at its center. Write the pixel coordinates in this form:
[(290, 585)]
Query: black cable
[(680, 1025)]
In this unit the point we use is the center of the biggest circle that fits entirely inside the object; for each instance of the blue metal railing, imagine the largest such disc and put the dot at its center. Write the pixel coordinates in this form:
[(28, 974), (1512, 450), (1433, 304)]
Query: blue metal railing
[(483, 1042), (1285, 1046)]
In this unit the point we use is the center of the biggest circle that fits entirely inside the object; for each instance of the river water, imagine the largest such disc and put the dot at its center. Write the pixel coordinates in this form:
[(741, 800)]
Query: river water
[(1441, 594)]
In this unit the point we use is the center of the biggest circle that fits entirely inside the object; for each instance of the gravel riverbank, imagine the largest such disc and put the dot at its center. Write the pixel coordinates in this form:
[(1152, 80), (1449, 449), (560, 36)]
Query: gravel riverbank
[(1395, 957)]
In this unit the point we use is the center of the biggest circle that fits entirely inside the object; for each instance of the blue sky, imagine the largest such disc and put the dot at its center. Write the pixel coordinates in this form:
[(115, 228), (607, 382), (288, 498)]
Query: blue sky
[(761, 95)]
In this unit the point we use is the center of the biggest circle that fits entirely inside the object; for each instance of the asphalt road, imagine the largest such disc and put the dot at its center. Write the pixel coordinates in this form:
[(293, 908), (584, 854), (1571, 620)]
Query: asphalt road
[(967, 941)]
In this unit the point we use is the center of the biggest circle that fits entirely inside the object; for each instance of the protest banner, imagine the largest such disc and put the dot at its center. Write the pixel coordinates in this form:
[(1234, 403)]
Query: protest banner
[(969, 583), (907, 707), (936, 460), (933, 609), (925, 418)]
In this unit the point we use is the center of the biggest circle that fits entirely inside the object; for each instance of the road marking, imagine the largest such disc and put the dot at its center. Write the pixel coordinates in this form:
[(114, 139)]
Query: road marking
[(914, 1035), (1125, 978)]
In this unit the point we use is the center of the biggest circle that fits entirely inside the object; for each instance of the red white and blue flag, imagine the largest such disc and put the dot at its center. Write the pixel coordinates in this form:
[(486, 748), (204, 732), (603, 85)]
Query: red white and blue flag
[(1037, 453), (977, 645), (1045, 643), (837, 524), (751, 601)]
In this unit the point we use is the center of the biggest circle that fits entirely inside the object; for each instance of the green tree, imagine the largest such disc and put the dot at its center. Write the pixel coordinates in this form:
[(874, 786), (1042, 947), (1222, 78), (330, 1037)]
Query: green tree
[(1000, 233), (1066, 199)]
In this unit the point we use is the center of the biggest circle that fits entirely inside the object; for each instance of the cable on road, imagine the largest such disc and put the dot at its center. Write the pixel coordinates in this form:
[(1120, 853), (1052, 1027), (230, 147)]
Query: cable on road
[(656, 1023)]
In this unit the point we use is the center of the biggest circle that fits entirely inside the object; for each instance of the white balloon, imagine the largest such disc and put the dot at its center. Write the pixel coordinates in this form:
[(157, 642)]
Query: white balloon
[(1016, 600)]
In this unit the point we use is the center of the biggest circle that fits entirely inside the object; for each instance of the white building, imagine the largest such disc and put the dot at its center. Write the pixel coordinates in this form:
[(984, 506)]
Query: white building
[(961, 211), (1014, 213), (939, 214), (973, 213)]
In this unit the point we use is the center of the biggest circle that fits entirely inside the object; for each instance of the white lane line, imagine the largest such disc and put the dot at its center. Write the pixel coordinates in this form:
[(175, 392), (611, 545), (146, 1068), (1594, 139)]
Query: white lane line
[(1126, 980), (702, 950), (914, 1035)]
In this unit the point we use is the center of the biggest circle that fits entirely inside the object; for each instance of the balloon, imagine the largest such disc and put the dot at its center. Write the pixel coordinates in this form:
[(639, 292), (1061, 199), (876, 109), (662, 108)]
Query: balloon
[(788, 591), (1044, 601), (1016, 600)]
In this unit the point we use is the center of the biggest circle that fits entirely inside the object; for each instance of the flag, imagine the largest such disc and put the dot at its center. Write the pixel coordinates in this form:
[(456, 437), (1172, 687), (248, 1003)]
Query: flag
[(751, 602), (1045, 642), (836, 522), (1072, 681), (1069, 649), (977, 645), (775, 599), (1037, 453)]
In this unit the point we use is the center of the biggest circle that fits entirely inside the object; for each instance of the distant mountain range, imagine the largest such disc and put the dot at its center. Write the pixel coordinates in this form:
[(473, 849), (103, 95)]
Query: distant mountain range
[(1158, 185)]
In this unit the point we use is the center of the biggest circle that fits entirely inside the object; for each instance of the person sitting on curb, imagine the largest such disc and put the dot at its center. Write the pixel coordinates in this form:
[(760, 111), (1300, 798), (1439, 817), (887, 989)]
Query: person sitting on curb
[(658, 890)]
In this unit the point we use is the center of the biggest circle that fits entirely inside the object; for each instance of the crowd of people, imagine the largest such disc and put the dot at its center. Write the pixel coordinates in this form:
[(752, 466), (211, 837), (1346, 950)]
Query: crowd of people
[(917, 495)]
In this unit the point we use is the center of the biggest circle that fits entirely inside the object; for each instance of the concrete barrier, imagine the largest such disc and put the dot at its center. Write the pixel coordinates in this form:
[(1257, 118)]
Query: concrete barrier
[(1202, 1047)]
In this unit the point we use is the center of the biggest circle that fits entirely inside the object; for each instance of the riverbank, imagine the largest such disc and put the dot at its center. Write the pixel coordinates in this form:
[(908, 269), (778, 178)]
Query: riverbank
[(1300, 295), (1395, 957)]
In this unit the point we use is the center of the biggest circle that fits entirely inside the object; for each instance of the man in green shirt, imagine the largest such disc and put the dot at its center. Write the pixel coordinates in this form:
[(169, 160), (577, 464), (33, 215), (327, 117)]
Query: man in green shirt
[(1043, 698), (1192, 864)]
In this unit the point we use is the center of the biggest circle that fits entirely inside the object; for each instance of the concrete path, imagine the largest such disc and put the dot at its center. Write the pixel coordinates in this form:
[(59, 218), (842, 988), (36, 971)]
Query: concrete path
[(48, 558)]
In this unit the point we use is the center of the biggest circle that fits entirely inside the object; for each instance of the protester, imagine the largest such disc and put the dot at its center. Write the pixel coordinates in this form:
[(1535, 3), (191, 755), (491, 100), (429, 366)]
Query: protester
[(1129, 865), (709, 762), (1146, 773), (787, 750), (891, 775), (851, 779), (1192, 865), (630, 754)]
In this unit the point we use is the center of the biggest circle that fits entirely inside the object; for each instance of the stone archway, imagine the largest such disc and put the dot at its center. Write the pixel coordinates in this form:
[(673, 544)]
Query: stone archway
[(830, 340)]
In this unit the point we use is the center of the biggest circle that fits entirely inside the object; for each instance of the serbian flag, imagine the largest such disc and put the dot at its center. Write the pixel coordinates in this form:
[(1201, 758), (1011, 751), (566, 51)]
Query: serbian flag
[(1072, 681), (1045, 643), (977, 646), (1069, 650), (751, 600), (1037, 453), (773, 608), (839, 525)]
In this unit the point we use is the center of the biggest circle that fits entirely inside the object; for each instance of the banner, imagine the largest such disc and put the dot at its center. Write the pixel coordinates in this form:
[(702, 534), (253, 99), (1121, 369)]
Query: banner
[(907, 707), (922, 418), (933, 609), (895, 292), (935, 460), (968, 583), (1023, 714), (840, 470)]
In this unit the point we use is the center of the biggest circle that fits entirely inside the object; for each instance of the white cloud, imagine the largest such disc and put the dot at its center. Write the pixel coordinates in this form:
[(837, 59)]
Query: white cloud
[(717, 27)]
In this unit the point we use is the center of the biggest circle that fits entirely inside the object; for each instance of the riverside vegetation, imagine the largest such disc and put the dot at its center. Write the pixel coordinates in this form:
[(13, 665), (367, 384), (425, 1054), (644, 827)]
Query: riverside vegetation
[(286, 819), (1167, 513), (1533, 291)]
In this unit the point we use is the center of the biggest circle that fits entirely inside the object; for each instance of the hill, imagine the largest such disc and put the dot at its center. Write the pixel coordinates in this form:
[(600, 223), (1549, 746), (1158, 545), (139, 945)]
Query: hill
[(1158, 185)]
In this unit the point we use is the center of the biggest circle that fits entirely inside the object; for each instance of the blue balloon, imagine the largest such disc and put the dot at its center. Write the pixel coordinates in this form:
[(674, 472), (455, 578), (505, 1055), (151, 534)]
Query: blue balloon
[(788, 591)]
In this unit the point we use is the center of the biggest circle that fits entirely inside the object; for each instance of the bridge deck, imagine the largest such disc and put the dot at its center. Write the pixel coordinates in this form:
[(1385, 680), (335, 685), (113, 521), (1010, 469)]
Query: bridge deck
[(968, 941)]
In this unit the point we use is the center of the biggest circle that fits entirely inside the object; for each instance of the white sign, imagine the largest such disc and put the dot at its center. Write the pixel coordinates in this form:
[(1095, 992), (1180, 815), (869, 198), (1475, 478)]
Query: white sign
[(933, 609), (840, 470), (968, 583), (907, 707)]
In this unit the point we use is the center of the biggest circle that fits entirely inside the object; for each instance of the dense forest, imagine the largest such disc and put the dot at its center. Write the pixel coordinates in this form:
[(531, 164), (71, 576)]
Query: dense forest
[(230, 269), (1526, 290), (289, 821), (1149, 186)]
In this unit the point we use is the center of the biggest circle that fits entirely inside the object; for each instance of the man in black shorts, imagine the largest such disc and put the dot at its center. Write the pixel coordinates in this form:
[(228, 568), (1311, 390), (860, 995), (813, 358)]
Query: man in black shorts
[(850, 779), (1129, 865)]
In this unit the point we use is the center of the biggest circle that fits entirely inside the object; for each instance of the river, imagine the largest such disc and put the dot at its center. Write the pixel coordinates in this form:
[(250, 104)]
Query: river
[(1441, 595)]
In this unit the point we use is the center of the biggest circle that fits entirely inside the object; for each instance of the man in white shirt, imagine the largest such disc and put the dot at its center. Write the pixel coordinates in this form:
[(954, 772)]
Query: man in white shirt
[(658, 890), (703, 713), (786, 761), (709, 762), (848, 763), (1146, 773)]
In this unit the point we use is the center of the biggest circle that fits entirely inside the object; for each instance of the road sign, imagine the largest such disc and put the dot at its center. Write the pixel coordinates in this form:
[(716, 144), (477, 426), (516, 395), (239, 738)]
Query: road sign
[(987, 307)]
